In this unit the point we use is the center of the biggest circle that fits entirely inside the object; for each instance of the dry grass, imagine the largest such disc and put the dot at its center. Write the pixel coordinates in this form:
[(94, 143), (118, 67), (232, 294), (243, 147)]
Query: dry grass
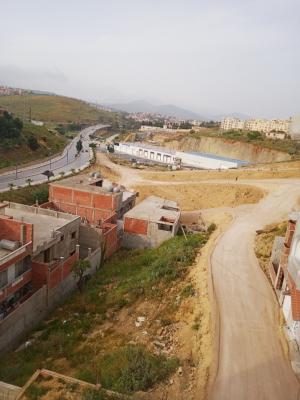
[(56, 109), (198, 196), (280, 170), (264, 243)]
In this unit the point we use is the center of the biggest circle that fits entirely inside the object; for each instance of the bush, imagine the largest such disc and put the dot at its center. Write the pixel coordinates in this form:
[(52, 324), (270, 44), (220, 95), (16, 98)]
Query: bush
[(35, 392), (33, 143), (132, 368), (212, 227), (254, 135), (10, 128), (93, 394), (188, 291)]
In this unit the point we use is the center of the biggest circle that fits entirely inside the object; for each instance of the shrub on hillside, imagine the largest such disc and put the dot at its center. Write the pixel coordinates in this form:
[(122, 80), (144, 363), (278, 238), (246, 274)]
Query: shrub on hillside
[(132, 368), (33, 143), (10, 127)]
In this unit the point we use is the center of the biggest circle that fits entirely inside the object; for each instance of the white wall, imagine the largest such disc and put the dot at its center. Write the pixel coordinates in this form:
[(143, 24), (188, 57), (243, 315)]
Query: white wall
[(167, 157)]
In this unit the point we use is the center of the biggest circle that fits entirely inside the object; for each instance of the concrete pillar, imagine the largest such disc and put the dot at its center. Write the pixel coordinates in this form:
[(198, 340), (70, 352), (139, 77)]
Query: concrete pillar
[(62, 268), (23, 234)]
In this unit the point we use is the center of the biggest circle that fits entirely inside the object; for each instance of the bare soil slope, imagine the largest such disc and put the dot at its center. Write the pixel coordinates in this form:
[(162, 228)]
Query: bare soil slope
[(198, 196)]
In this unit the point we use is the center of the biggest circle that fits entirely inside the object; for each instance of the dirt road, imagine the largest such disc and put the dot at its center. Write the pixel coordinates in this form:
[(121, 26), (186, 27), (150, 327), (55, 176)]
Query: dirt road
[(251, 362)]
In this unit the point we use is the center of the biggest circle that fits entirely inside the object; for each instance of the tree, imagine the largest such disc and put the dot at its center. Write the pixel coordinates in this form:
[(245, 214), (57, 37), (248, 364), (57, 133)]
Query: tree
[(48, 174), (29, 180), (61, 129), (11, 186), (33, 143), (92, 145), (79, 268), (79, 146), (10, 128)]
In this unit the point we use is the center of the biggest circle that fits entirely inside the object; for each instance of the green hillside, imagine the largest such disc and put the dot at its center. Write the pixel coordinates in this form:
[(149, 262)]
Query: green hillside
[(56, 109), (33, 143)]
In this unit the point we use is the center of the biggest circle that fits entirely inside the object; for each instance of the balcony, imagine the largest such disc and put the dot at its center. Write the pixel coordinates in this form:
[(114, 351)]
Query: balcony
[(14, 254), (15, 285)]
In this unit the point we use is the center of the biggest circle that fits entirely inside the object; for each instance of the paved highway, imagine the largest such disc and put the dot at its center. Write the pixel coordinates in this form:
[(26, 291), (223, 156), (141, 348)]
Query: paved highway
[(67, 161)]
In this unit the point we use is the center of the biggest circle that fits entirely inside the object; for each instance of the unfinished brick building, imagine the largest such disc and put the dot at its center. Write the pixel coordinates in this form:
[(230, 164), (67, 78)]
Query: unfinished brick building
[(284, 268), (37, 247), (151, 222), (98, 202)]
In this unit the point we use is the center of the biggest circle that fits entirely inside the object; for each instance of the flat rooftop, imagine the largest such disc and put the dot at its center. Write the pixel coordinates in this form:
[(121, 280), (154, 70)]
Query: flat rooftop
[(90, 184), (44, 221), (155, 208)]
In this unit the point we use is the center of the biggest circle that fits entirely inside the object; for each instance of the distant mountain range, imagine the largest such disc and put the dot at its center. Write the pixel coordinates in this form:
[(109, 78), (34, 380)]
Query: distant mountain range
[(171, 110), (164, 109), (230, 115)]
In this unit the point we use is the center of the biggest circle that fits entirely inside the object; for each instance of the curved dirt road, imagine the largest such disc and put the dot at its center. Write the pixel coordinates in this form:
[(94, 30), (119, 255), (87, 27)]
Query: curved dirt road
[(251, 362)]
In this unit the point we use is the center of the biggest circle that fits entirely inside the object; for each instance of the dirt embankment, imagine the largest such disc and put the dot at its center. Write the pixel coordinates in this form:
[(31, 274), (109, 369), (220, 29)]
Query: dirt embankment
[(199, 196), (228, 148)]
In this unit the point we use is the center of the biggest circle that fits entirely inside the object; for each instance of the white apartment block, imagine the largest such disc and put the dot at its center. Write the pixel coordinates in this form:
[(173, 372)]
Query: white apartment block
[(232, 123), (259, 125)]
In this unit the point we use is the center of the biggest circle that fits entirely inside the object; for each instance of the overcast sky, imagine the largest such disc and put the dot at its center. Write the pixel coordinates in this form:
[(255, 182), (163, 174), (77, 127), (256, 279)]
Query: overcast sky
[(206, 55)]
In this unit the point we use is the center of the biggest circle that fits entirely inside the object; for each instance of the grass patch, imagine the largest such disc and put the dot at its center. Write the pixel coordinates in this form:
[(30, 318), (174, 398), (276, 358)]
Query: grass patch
[(63, 110), (27, 195), (132, 368), (19, 151), (188, 291), (93, 394), (35, 391), (130, 275)]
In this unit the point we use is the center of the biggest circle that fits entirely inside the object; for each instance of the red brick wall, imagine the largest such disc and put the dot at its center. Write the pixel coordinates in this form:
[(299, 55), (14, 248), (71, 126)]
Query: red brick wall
[(295, 297), (110, 235), (68, 208), (289, 233), (60, 194), (82, 198), (62, 271), (10, 229), (132, 225), (103, 215), (92, 206), (58, 272), (103, 201), (39, 274)]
